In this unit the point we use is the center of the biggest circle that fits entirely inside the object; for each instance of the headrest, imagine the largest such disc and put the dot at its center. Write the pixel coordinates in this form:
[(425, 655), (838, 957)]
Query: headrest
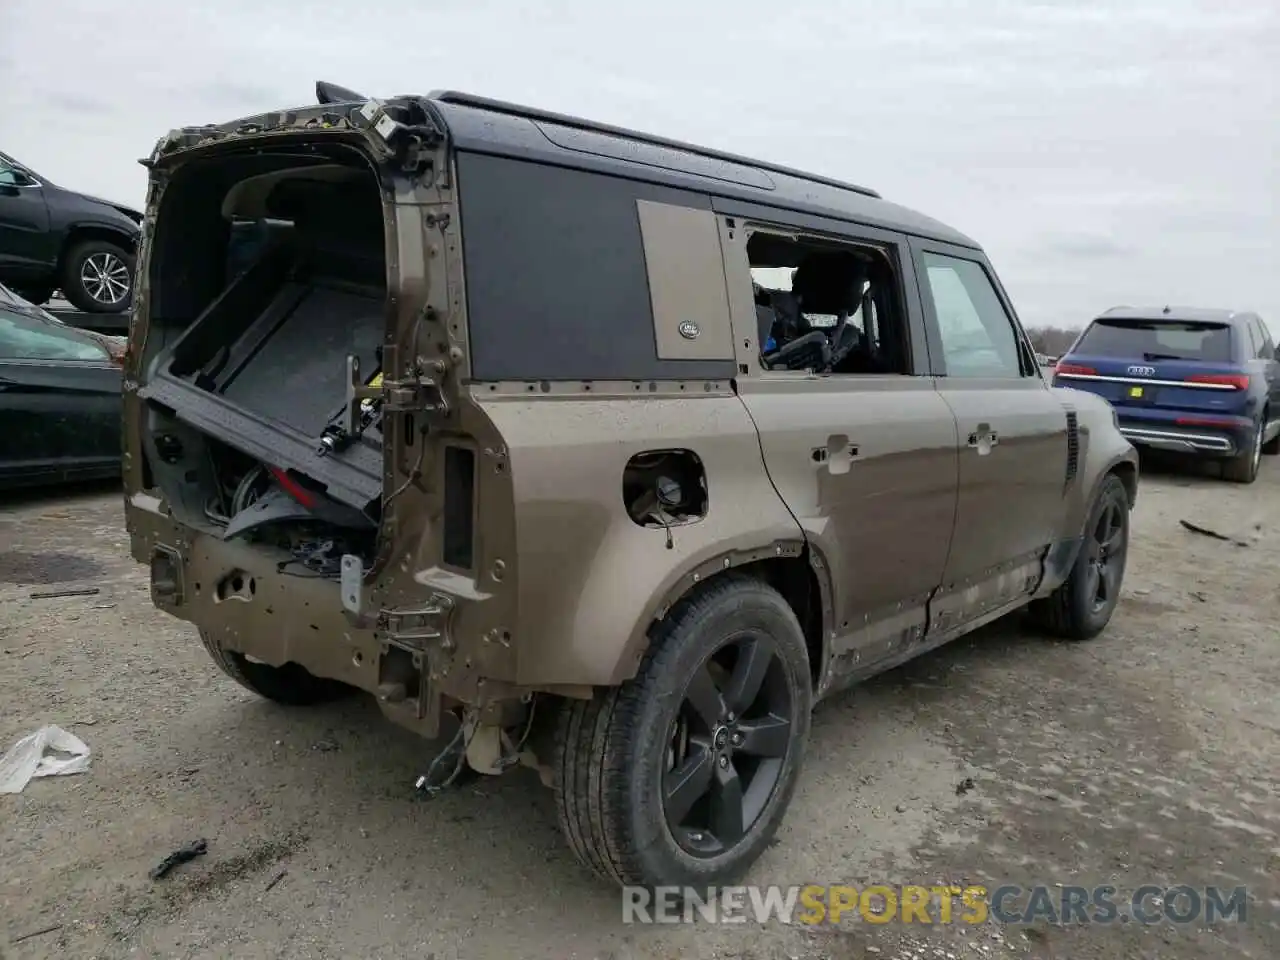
[(349, 210), (830, 282)]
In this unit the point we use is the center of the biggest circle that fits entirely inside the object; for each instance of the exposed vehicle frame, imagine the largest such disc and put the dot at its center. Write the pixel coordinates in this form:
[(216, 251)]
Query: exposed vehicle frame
[(585, 517)]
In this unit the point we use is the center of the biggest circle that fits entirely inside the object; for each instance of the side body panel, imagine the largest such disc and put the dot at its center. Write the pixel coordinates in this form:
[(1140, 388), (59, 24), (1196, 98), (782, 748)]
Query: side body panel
[(588, 580), (58, 420), (576, 289)]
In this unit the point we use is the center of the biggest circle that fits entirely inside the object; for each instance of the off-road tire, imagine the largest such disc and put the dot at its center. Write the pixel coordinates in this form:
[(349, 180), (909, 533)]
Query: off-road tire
[(73, 287), (291, 684), (1068, 612), (610, 751), (1244, 467)]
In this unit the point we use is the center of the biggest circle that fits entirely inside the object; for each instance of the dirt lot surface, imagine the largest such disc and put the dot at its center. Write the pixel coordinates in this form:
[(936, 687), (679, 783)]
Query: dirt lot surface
[(1145, 757)]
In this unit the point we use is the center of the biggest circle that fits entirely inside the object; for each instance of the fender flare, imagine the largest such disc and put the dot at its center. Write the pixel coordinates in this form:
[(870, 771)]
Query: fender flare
[(696, 574), (1062, 555), (70, 231)]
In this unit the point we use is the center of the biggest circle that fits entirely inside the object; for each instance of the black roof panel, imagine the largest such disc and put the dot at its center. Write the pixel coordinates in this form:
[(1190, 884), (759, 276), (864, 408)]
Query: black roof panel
[(490, 126)]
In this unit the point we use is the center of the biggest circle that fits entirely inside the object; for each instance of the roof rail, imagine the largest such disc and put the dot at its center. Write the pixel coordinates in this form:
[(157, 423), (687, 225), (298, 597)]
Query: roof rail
[(547, 116)]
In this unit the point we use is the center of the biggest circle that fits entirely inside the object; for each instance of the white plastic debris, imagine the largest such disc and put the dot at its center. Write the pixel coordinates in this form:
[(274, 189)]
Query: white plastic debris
[(27, 758)]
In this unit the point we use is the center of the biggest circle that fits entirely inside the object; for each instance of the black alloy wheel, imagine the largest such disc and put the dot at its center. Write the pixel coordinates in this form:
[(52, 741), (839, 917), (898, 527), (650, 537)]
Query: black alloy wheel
[(727, 746), (1107, 544), (680, 776)]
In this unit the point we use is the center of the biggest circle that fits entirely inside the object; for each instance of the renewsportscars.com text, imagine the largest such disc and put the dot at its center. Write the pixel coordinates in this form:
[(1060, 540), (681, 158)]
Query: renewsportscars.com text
[(814, 904)]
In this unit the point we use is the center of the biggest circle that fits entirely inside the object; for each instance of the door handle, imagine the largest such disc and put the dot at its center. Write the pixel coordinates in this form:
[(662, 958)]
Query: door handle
[(838, 454), (983, 439)]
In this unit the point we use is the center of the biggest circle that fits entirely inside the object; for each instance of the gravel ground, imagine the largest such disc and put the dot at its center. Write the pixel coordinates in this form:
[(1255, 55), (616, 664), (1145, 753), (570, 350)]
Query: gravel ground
[(1146, 756)]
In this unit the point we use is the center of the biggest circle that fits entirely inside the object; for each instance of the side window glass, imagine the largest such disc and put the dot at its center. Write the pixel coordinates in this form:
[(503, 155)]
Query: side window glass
[(1268, 344), (1255, 341), (978, 338), (12, 177), (1264, 348), (828, 306), (25, 338)]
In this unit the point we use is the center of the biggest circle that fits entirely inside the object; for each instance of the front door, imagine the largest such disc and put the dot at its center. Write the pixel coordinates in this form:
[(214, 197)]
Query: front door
[(24, 223), (1012, 433)]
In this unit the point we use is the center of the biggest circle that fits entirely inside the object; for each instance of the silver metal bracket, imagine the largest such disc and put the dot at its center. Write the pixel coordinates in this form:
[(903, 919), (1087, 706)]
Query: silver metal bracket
[(419, 628), (352, 580), (353, 411)]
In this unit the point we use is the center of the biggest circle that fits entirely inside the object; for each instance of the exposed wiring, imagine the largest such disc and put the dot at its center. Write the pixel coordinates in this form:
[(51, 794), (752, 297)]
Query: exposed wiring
[(510, 761), (414, 474), (240, 499), (213, 513), (424, 782), (220, 492), (283, 564)]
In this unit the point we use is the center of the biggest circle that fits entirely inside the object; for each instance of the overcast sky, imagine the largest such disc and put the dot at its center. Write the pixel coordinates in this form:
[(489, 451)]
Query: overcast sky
[(1102, 152)]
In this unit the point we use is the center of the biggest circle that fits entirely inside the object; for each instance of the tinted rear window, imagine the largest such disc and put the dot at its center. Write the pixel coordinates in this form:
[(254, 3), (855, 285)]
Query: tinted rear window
[(1157, 340)]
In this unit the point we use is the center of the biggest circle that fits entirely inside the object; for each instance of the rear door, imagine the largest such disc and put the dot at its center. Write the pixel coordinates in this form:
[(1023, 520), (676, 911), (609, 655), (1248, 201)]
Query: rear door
[(59, 401), (1012, 436), (865, 461)]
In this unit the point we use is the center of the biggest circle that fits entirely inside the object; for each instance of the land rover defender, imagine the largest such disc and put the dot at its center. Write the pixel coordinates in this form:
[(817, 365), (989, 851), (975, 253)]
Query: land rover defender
[(588, 450)]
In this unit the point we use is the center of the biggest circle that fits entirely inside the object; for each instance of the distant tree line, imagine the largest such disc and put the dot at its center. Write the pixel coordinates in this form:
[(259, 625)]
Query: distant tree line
[(1052, 341)]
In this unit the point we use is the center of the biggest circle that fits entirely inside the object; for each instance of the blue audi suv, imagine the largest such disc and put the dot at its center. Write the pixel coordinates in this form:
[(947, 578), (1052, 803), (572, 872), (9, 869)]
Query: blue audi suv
[(1194, 381)]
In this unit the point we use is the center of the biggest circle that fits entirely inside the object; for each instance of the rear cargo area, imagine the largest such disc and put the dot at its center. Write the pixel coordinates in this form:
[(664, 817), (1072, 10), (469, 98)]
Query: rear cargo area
[(268, 298)]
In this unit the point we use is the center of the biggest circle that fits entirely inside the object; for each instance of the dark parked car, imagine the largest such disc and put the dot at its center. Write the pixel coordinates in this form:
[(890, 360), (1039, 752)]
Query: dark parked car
[(56, 239), (59, 400), (1194, 381)]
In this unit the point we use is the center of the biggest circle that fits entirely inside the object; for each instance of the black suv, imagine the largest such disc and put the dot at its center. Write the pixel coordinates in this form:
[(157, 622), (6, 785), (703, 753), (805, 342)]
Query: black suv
[(55, 239)]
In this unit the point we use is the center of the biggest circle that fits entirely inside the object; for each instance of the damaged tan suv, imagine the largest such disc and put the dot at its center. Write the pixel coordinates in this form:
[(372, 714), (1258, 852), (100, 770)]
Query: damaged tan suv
[(588, 450)]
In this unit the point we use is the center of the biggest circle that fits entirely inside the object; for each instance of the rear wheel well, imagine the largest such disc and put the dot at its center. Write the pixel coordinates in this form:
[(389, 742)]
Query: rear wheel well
[(794, 578)]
